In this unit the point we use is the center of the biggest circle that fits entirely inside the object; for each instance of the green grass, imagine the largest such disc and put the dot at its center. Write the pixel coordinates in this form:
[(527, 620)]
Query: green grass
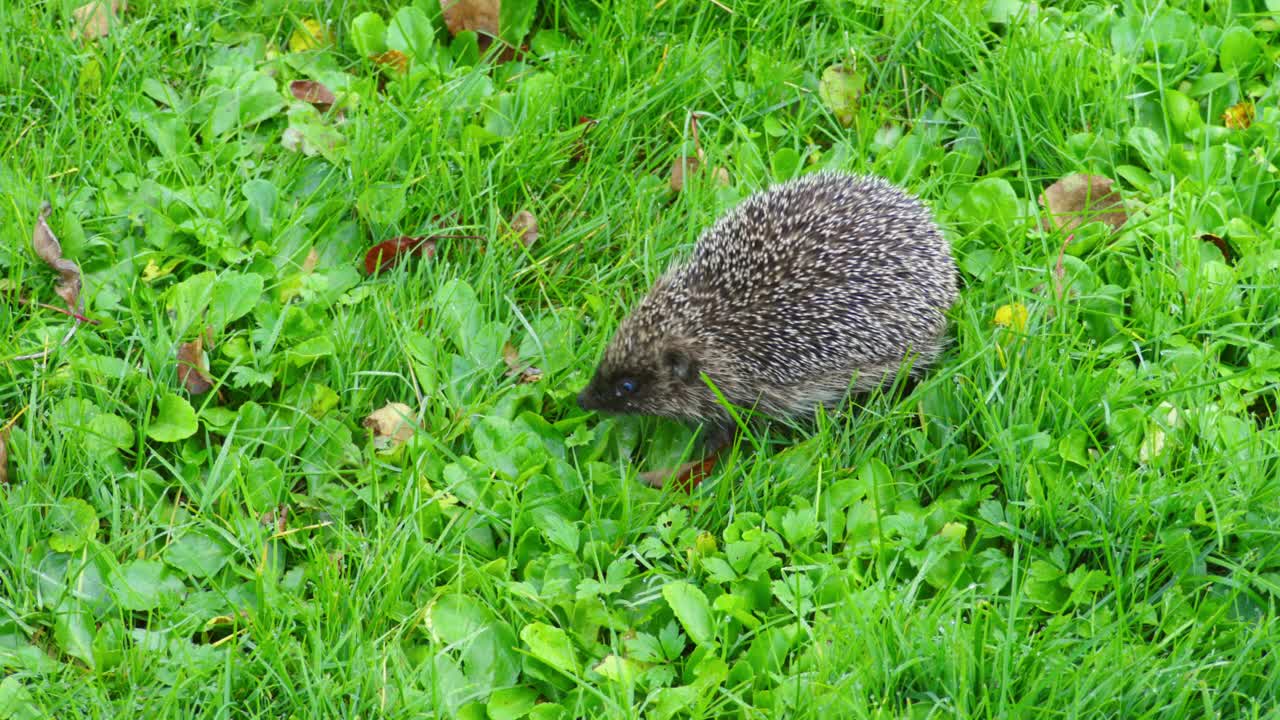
[(1079, 518)]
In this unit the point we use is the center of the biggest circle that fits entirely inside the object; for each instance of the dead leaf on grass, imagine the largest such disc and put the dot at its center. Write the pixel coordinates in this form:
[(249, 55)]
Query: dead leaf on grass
[(392, 426), (1078, 199), (687, 165), (526, 226), (684, 477), (1221, 244), (310, 91), (1239, 116), (384, 255), (191, 367), (94, 20), (49, 250), (478, 15), (526, 373), (4, 455), (682, 168), (394, 59)]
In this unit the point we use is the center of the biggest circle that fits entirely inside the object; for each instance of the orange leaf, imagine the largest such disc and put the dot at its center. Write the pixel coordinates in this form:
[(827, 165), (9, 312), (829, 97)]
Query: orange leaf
[(317, 94), (191, 367)]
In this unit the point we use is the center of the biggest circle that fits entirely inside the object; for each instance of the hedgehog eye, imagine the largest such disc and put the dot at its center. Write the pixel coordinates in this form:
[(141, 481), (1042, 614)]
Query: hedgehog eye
[(627, 387)]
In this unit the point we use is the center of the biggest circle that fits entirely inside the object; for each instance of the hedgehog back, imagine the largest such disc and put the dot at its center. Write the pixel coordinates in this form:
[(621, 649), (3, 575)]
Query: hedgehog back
[(823, 273)]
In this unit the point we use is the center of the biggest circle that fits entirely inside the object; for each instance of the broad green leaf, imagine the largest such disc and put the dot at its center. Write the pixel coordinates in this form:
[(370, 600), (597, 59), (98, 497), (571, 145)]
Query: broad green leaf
[(839, 90), (511, 703), (259, 213), (198, 553), (107, 433), (369, 34), (73, 629), (692, 610), (552, 646), (144, 584), (16, 702), (73, 523), (234, 295), (189, 298), (514, 19), (410, 32), (175, 419)]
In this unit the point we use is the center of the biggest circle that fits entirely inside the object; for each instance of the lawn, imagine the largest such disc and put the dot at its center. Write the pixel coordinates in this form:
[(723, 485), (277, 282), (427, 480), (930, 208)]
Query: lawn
[(243, 476)]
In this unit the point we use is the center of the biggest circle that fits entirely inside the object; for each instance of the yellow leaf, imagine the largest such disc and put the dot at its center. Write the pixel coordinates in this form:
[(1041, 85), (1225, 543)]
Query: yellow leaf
[(311, 35), (1014, 316), (1239, 116), (153, 272)]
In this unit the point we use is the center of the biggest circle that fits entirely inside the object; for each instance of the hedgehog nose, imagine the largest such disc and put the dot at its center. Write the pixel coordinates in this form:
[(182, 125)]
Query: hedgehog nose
[(584, 400)]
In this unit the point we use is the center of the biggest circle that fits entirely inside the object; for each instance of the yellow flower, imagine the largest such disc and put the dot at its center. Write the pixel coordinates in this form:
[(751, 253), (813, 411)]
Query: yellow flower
[(1014, 316)]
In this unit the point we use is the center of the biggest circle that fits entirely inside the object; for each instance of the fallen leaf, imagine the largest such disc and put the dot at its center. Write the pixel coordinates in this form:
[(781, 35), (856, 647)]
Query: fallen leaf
[(580, 148), (310, 262), (685, 477), (720, 176), (1221, 244), (387, 253), (49, 250), (682, 168), (1013, 315), (4, 456), (392, 425), (526, 225), (191, 367), (840, 88), (1239, 116), (317, 94), (94, 20), (527, 373), (1078, 199), (312, 34), (393, 59), (478, 15)]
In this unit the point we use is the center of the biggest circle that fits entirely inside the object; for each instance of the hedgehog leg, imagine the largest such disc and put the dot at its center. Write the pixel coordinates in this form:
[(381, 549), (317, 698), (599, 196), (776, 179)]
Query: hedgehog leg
[(716, 436)]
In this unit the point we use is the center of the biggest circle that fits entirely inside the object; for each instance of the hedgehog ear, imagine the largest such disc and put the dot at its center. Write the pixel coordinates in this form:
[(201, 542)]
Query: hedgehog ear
[(680, 364)]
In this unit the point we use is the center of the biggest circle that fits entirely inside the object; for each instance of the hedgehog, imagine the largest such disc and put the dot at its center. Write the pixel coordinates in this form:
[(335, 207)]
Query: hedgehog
[(804, 293)]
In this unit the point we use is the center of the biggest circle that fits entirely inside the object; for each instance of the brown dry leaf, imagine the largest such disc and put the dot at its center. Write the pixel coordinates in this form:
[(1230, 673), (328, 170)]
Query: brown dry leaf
[(526, 225), (685, 477), (393, 59), (682, 168), (94, 20), (1221, 244), (720, 176), (392, 425), (191, 368), (478, 15), (311, 261), (1239, 116), (49, 250), (4, 456), (527, 373), (310, 91), (1078, 199)]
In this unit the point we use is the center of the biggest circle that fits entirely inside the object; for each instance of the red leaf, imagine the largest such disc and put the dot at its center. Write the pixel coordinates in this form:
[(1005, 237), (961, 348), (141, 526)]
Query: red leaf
[(313, 92), (387, 253)]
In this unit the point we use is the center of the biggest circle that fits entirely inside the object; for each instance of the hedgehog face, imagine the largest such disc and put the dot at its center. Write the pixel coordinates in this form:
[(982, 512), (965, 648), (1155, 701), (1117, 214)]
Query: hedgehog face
[(651, 382)]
